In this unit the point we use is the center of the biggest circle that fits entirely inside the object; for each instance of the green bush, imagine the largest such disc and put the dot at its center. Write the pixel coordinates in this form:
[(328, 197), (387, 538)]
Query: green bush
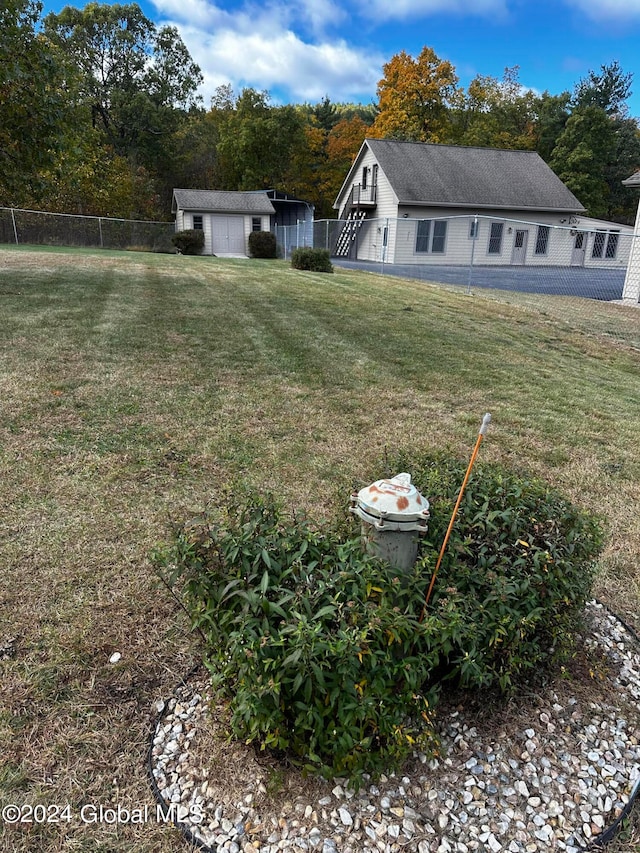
[(189, 242), (316, 260), (517, 571), (320, 648), (262, 244), (312, 641)]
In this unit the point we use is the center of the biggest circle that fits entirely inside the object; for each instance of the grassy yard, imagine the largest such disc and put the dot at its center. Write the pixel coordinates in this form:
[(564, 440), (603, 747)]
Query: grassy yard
[(135, 386)]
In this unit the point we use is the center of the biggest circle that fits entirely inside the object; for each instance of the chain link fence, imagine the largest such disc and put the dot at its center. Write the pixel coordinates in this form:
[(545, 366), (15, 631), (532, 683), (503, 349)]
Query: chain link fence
[(40, 228), (583, 271), (466, 242)]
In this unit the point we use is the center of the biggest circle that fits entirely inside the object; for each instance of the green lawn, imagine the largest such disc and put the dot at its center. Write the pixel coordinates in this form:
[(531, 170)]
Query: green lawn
[(135, 386)]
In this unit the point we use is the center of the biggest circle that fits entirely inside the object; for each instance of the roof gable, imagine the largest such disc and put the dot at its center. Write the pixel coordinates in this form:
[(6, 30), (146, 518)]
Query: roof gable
[(458, 176), (633, 181), (222, 201)]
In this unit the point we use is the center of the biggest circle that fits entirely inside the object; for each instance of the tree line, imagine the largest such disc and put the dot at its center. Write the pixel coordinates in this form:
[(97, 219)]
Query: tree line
[(100, 114)]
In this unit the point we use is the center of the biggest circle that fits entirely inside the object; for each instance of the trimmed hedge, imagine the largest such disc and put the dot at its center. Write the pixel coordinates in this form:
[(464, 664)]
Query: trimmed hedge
[(316, 260), (189, 242), (262, 244)]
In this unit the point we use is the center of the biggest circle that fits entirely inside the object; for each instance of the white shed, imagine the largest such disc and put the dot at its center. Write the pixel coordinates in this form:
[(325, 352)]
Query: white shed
[(227, 218)]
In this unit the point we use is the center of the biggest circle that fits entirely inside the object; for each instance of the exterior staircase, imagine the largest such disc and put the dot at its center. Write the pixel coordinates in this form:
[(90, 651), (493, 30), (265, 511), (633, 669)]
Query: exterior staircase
[(354, 213), (346, 243)]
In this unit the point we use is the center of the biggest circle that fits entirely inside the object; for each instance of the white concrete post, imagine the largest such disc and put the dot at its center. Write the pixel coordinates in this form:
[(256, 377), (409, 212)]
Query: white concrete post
[(631, 289)]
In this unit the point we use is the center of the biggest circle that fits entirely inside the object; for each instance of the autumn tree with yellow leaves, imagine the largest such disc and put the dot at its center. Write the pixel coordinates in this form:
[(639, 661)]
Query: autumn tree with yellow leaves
[(416, 96)]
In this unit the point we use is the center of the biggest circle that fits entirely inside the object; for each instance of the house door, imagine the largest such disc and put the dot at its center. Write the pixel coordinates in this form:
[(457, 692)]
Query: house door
[(579, 249), (519, 247), (227, 235)]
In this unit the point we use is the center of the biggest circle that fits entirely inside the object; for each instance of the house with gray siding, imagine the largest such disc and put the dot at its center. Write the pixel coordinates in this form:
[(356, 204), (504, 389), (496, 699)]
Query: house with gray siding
[(412, 202)]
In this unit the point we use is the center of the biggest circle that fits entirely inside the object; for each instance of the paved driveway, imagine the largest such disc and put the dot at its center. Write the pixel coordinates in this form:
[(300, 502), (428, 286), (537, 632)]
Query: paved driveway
[(559, 281)]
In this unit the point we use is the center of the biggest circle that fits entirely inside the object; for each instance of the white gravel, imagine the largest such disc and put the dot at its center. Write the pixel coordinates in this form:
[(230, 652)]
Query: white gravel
[(556, 783)]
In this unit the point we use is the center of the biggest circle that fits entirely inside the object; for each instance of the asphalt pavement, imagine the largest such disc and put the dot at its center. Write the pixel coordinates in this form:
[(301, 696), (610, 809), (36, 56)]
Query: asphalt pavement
[(589, 283)]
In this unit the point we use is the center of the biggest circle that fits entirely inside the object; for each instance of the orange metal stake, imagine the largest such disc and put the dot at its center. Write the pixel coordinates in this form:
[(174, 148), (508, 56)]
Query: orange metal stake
[(483, 429)]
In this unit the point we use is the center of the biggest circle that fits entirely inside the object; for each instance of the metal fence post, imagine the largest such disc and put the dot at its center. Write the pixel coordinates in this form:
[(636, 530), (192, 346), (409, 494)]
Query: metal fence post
[(473, 250), (15, 230), (384, 238)]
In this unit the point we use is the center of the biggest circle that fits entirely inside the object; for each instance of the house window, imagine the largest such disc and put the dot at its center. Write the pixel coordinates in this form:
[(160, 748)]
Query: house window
[(605, 244), (495, 238), (439, 236), (542, 240), (197, 222), (431, 236), (256, 223), (474, 228), (364, 177), (423, 235)]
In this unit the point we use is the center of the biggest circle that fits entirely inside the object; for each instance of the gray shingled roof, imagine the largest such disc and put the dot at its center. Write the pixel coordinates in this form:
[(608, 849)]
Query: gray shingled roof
[(221, 201), (634, 180), (452, 176)]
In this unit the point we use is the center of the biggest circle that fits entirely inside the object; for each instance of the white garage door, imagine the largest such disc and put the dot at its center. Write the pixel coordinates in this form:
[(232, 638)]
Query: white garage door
[(228, 235)]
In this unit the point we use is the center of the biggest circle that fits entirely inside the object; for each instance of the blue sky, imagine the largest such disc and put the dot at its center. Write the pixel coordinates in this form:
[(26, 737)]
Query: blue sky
[(300, 51)]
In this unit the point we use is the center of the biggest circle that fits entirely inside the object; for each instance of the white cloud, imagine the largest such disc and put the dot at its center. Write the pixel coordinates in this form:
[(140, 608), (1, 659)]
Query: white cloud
[(403, 9), (257, 47), (611, 11), (199, 13), (321, 15), (306, 71)]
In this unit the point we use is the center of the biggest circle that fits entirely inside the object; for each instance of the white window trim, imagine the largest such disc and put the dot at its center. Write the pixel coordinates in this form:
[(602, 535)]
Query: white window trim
[(431, 237), (606, 237), (546, 244)]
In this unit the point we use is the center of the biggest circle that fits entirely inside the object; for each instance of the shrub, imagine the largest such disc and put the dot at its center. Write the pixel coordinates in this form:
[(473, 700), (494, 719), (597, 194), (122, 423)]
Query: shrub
[(320, 647), (189, 242), (262, 244), (312, 641), (316, 260), (517, 572)]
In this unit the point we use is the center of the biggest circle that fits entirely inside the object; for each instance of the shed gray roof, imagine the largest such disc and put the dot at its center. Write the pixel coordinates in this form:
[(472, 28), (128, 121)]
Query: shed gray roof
[(634, 180), (222, 201), (458, 176)]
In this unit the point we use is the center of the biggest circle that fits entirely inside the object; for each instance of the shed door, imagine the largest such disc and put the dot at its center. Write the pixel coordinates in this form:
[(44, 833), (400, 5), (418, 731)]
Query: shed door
[(227, 235)]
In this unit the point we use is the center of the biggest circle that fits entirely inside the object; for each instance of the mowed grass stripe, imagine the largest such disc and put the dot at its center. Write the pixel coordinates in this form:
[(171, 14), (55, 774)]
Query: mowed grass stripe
[(136, 387)]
